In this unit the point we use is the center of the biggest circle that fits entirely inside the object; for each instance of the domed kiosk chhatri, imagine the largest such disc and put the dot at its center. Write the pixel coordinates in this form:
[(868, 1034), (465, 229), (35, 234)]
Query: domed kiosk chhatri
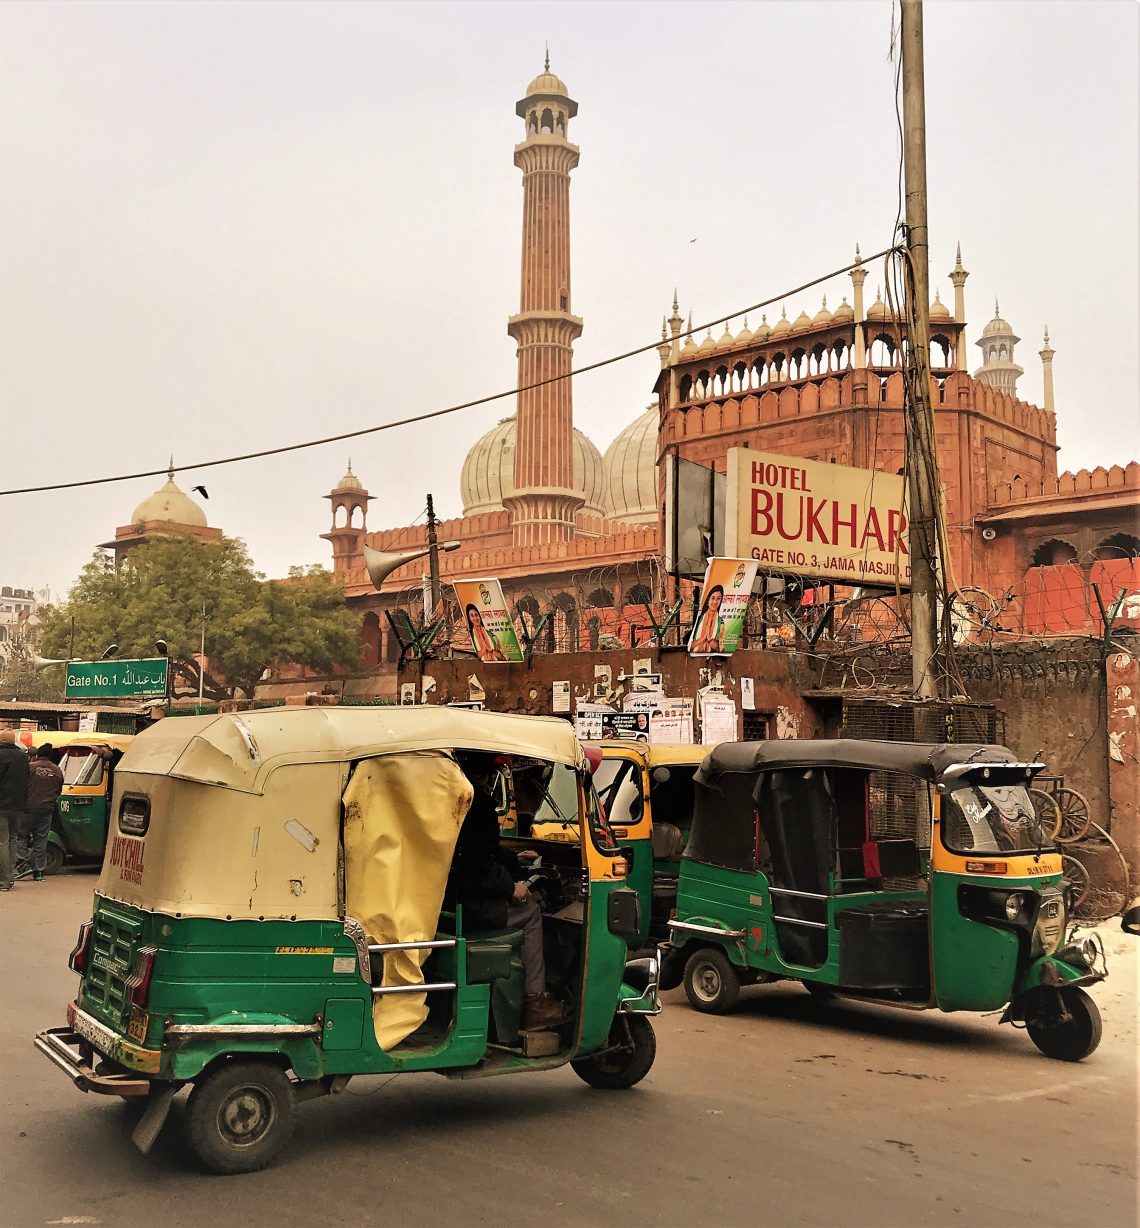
[(169, 512)]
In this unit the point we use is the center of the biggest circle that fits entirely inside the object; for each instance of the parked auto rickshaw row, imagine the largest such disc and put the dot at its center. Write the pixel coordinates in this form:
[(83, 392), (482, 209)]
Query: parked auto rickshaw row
[(274, 913)]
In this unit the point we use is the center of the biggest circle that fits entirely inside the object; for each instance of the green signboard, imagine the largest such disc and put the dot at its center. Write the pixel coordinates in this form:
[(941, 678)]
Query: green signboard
[(117, 679)]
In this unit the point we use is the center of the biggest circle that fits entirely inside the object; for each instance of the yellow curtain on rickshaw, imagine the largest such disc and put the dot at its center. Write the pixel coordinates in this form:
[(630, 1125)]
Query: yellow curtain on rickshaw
[(402, 818)]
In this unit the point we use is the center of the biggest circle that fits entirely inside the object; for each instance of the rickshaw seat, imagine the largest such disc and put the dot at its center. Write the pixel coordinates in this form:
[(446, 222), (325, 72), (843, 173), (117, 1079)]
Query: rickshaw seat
[(668, 842), (492, 954), (891, 859)]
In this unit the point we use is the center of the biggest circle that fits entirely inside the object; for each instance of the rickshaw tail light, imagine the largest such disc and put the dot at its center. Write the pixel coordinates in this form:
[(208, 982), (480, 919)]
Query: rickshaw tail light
[(140, 977), (77, 960)]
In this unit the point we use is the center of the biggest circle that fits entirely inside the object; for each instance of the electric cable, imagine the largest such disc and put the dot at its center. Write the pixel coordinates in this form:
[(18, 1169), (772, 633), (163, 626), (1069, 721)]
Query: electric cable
[(435, 413)]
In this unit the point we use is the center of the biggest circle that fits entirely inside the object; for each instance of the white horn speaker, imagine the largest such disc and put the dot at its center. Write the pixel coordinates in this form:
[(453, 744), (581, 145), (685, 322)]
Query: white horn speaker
[(44, 662), (381, 563)]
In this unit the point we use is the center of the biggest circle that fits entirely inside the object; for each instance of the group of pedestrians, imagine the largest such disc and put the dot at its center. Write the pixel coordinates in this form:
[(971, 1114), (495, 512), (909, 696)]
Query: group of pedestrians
[(29, 786)]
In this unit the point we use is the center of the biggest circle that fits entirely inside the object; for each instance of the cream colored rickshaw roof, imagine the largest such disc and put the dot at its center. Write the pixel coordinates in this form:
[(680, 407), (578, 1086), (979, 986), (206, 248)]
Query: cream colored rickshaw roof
[(657, 754), (236, 750)]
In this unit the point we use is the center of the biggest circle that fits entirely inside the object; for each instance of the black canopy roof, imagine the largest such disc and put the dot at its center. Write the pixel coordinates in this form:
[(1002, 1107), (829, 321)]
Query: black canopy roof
[(927, 760)]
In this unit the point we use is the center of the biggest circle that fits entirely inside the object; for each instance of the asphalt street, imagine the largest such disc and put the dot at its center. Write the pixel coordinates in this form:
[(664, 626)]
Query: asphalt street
[(787, 1112)]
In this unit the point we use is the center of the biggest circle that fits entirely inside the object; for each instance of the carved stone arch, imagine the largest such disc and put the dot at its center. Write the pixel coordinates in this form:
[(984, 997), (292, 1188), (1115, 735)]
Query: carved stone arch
[(686, 387), (1053, 553), (546, 123), (730, 414), (1118, 546)]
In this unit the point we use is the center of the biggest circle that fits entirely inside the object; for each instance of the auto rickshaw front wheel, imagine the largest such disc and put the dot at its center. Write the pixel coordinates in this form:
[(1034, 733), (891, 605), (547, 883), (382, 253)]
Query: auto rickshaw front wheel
[(240, 1116), (1068, 1028), (626, 1058), (711, 982)]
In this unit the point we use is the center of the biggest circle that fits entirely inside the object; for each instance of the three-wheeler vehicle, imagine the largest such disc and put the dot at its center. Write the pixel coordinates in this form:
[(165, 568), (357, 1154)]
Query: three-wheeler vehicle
[(273, 917), (646, 791), (79, 826), (913, 875)]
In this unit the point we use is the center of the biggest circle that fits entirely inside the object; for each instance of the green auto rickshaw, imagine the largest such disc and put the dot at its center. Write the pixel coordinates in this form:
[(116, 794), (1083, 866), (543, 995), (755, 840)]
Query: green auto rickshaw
[(79, 826), (917, 876), (274, 917)]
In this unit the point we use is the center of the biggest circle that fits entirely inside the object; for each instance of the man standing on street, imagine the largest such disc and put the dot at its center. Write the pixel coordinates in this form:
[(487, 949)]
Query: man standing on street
[(45, 783), (13, 803)]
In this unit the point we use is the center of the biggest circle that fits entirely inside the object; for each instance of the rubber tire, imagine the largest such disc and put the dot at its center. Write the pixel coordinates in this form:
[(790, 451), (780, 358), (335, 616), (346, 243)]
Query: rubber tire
[(622, 1069), (819, 990), (208, 1100), (722, 988), (54, 862), (1072, 1041)]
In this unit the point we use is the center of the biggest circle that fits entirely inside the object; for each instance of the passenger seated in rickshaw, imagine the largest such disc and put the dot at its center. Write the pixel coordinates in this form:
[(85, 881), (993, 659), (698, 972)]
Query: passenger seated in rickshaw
[(486, 879)]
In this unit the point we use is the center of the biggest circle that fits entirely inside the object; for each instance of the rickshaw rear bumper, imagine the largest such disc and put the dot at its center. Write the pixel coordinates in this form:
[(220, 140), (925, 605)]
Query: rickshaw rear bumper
[(638, 995), (64, 1048)]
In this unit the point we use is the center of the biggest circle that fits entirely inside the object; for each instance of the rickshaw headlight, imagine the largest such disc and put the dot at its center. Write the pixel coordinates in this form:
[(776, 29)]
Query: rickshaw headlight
[(1014, 903)]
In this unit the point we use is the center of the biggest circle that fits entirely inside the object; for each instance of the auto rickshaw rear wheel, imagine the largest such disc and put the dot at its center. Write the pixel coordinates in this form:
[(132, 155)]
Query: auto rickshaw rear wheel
[(626, 1058), (1067, 1029), (240, 1116), (54, 859), (711, 982)]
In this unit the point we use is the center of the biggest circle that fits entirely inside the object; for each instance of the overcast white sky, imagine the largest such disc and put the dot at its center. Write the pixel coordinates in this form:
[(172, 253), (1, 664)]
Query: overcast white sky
[(229, 225)]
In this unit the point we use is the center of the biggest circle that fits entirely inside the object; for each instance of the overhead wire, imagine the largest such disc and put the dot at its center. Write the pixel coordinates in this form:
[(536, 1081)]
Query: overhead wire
[(429, 415)]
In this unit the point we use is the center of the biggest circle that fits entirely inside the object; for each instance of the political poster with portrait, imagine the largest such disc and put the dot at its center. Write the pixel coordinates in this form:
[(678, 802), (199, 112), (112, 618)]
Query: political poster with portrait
[(724, 603), (488, 620)]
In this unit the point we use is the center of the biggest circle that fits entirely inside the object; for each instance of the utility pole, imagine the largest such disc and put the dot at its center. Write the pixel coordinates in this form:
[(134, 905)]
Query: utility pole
[(923, 473), (202, 661), (433, 555)]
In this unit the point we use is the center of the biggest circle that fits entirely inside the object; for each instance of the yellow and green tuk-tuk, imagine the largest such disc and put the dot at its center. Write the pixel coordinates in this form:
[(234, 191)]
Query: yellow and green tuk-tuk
[(88, 760), (273, 917), (646, 791), (918, 876)]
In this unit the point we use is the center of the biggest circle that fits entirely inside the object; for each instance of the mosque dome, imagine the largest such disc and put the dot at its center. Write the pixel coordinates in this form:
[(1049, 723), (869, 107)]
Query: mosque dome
[(878, 309), (169, 504), (781, 328), (822, 316), (745, 335), (727, 339), (997, 326), (489, 471), (708, 343), (938, 309), (631, 471), (764, 331), (844, 313), (802, 321), (547, 83), (350, 481)]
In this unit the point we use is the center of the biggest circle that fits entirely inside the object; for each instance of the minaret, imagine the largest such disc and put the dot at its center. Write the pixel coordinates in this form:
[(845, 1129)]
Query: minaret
[(544, 502), (858, 277), (1047, 371), (349, 521), (996, 343), (958, 276)]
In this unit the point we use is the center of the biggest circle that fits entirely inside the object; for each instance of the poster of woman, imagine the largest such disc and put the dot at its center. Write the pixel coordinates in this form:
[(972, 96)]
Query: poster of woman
[(488, 620), (725, 595)]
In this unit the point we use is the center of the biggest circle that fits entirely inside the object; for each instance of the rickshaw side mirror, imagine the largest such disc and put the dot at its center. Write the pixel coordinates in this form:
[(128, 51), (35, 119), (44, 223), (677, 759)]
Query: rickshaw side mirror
[(623, 913)]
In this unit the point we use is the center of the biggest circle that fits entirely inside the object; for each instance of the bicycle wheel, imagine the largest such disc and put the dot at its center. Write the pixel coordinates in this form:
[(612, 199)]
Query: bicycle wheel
[(1078, 877), (1047, 811), (973, 613), (1075, 816)]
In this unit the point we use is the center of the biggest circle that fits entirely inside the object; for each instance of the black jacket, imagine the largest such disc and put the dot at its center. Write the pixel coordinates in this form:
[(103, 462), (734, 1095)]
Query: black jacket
[(485, 873), (13, 777)]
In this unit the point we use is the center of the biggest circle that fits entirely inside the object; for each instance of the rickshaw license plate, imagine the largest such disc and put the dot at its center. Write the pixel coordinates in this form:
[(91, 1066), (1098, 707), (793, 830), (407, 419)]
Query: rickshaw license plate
[(136, 1029)]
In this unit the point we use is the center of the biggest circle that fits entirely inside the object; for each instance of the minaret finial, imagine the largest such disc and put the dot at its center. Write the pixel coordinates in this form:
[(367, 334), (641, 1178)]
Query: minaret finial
[(858, 257), (997, 309), (675, 307), (170, 469), (1046, 334), (350, 464), (664, 330), (546, 64), (958, 257)]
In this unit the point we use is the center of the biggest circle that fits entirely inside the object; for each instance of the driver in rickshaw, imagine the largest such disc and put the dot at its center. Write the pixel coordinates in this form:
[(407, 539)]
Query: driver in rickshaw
[(487, 884)]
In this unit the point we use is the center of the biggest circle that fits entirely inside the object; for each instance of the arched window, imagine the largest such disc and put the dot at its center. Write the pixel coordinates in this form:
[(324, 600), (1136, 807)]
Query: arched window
[(370, 640), (564, 625), (528, 613), (639, 595), (1118, 546), (594, 630), (1053, 553), (600, 599)]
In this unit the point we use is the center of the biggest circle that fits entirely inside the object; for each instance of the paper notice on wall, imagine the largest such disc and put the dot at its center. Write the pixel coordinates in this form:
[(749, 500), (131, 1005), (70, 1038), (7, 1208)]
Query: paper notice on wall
[(718, 719), (588, 721), (475, 688), (427, 685), (560, 696), (672, 722), (488, 619), (643, 701), (603, 681), (748, 694), (88, 722), (407, 692)]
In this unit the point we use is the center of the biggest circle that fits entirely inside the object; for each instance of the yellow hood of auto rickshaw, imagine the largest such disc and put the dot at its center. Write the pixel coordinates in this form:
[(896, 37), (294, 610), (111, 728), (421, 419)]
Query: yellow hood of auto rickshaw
[(655, 754), (245, 808)]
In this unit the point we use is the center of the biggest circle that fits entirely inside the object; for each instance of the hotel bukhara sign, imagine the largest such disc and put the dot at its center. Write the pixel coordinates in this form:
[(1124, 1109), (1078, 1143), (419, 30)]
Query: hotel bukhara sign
[(809, 518)]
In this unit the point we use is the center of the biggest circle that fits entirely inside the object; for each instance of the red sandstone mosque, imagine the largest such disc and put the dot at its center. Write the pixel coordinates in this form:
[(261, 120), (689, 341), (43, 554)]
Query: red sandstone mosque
[(582, 535)]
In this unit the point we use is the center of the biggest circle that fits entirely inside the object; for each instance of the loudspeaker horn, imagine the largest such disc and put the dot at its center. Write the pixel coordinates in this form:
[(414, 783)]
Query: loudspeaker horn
[(44, 662), (381, 563)]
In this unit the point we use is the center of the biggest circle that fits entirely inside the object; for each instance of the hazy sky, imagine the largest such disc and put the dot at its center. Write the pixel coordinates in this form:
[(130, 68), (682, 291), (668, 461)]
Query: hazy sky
[(229, 225)]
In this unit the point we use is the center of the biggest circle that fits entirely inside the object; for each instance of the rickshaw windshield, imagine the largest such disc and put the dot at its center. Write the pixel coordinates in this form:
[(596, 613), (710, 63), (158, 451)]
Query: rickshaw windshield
[(992, 819), (81, 766), (555, 790)]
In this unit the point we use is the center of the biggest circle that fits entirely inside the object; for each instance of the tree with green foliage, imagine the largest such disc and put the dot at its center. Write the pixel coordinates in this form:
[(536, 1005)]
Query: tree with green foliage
[(159, 592)]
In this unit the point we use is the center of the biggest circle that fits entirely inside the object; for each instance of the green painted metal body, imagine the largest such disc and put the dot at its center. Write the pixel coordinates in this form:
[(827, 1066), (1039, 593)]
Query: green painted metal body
[(81, 824), (639, 853), (223, 973), (975, 966)]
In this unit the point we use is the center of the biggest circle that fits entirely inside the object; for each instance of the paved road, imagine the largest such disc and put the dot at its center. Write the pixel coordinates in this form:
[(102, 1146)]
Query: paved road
[(784, 1113)]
